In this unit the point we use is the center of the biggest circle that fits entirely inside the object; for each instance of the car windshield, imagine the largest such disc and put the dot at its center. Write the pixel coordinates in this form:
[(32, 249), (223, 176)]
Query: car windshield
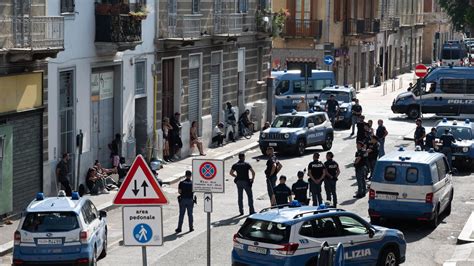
[(265, 231), (38, 222), (451, 54), (341, 96), (288, 121), (458, 132)]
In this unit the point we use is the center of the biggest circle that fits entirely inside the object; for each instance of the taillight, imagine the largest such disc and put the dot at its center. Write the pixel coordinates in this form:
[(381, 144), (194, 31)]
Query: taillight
[(429, 198), (18, 262), (288, 249), (83, 261), (83, 237), (17, 238), (371, 194)]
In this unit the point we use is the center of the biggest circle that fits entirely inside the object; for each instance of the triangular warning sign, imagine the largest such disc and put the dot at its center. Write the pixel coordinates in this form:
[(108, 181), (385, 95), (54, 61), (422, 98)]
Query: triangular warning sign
[(140, 186)]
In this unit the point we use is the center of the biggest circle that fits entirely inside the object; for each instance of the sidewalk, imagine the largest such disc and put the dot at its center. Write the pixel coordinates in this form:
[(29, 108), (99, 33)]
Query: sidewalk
[(171, 173)]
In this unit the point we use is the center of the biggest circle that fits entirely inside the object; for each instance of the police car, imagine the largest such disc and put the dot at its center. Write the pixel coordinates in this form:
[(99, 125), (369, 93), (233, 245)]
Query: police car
[(344, 95), (60, 230), (293, 236), (463, 149), (297, 130)]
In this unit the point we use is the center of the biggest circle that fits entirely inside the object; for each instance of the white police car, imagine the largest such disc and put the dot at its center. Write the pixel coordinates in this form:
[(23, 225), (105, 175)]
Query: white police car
[(463, 149), (293, 236), (60, 230)]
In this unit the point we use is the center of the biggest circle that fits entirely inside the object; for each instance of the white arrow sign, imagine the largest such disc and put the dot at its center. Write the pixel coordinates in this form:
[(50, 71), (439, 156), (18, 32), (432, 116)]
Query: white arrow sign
[(208, 202)]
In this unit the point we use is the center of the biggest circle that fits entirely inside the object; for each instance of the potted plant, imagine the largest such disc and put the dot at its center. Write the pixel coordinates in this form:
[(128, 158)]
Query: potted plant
[(139, 14), (278, 21)]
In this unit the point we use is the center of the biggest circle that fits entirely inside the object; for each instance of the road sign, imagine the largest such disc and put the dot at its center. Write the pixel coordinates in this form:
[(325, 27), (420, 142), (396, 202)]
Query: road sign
[(328, 60), (208, 176), (421, 70), (140, 186), (142, 226), (207, 202)]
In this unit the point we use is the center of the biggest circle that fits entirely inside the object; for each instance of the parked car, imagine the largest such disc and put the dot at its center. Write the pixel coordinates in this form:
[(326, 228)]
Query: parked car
[(345, 96)]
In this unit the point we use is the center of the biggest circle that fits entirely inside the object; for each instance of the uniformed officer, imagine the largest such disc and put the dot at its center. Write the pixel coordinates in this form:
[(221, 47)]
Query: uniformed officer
[(282, 193), (447, 140), (360, 170), (316, 173), (372, 153), (420, 133), (332, 107), (186, 203), (356, 113), (332, 172), (430, 141), (300, 189), (271, 171), (240, 171)]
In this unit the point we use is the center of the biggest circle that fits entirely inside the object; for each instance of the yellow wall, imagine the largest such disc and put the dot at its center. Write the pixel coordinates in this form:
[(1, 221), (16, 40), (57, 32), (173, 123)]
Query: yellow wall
[(21, 92)]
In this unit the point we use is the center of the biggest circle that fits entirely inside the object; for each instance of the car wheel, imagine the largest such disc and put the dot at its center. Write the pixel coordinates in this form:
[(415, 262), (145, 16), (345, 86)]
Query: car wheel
[(388, 258), (104, 247), (300, 147), (434, 222), (327, 143), (413, 112), (448, 208)]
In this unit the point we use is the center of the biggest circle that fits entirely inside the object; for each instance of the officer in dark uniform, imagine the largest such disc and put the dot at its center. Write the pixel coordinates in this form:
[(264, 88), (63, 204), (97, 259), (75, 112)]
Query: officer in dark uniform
[(332, 172), (186, 203), (271, 171), (282, 193), (316, 172), (240, 171), (360, 165), (300, 189), (447, 140), (361, 132), (430, 141), (420, 133), (372, 153)]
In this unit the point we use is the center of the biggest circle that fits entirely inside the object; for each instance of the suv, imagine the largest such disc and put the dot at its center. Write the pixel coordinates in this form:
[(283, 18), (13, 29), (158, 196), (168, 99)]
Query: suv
[(60, 230), (463, 149), (296, 131), (344, 95), (293, 236)]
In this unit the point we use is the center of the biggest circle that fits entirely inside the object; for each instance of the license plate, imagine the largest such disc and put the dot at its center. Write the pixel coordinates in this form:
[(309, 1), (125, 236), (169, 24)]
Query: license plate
[(386, 196), (272, 144), (50, 241), (258, 250), (453, 158)]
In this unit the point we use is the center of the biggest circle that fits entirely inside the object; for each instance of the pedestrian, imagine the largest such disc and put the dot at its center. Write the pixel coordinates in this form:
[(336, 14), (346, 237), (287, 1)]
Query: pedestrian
[(361, 129), (271, 171), (175, 136), (230, 121), (114, 147), (166, 139), (266, 125), (218, 134), (419, 135), (370, 129), (356, 113), (360, 164), (378, 75), (332, 172), (372, 154), (62, 173), (240, 172), (332, 107), (300, 189), (185, 200), (302, 106), (282, 193), (430, 141), (194, 138), (244, 122), (381, 133), (447, 140), (316, 173)]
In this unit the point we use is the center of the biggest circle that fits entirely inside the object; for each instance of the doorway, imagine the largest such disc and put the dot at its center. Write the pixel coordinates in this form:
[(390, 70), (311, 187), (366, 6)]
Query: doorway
[(371, 67), (141, 125), (6, 170), (167, 99), (67, 120), (241, 79), (216, 87)]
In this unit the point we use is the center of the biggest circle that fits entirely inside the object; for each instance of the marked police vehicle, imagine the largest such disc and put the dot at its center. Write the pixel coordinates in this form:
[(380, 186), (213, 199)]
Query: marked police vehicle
[(293, 236), (444, 91), (296, 131), (411, 184), (60, 230), (463, 149), (345, 95)]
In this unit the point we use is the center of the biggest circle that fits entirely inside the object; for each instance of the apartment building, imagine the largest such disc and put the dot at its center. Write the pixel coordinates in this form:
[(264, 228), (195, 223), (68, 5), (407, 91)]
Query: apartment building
[(209, 52), (28, 35), (438, 29)]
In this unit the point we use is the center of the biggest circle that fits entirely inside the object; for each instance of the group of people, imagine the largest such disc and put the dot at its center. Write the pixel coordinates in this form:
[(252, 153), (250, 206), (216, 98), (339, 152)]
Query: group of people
[(428, 141), (99, 179), (172, 142)]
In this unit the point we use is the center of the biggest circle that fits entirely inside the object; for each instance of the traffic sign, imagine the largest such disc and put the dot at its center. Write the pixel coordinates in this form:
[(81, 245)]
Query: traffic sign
[(142, 226), (421, 70), (207, 202), (140, 186), (328, 60), (208, 176)]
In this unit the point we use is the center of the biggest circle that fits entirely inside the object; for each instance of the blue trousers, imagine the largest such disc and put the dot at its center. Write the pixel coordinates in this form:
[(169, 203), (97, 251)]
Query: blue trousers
[(381, 147), (241, 186), (360, 176), (271, 183), (316, 193), (330, 187), (185, 205)]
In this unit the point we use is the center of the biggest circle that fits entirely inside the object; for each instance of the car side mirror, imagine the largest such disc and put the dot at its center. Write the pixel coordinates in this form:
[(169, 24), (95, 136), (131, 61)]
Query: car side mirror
[(310, 125), (371, 232), (102, 214)]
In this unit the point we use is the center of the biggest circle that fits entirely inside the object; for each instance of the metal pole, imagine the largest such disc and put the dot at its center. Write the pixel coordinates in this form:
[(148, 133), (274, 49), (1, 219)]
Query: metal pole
[(306, 85), (208, 239), (145, 263)]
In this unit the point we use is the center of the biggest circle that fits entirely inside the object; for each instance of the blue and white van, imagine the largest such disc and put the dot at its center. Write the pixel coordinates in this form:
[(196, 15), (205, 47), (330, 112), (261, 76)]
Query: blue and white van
[(290, 86), (411, 184), (453, 54)]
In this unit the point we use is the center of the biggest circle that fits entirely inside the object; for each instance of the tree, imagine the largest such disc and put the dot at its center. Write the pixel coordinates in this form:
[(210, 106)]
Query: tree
[(460, 11)]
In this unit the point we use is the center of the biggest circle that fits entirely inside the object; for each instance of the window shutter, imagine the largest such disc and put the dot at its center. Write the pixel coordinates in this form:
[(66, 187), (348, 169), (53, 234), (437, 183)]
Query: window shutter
[(337, 10)]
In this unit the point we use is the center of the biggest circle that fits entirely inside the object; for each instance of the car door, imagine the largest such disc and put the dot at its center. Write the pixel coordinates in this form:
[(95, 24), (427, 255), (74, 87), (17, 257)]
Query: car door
[(94, 224), (443, 187), (320, 128), (311, 131)]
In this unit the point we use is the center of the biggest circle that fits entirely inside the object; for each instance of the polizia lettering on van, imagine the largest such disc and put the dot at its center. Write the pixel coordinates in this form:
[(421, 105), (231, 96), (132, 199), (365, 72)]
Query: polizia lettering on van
[(359, 253), (460, 101)]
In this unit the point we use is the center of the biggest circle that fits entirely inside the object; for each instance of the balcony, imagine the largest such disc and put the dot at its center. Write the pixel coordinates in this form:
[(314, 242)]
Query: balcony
[(407, 20), (353, 26), (419, 20), (304, 28), (371, 26), (35, 38), (183, 27)]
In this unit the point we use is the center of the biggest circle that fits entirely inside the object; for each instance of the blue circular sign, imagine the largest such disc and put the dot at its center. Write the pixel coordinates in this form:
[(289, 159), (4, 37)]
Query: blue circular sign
[(328, 60), (142, 233)]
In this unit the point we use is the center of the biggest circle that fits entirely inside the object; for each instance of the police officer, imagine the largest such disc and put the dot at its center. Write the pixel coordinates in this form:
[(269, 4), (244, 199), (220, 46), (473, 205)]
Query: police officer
[(420, 133), (316, 173), (186, 203), (381, 133), (271, 171), (281, 193), (361, 129), (360, 169), (430, 141), (356, 113), (332, 106), (372, 153), (240, 171), (332, 172), (447, 140), (300, 189)]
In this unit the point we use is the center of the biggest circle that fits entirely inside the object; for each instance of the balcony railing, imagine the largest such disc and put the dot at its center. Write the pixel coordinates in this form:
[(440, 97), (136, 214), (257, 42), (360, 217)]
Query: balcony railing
[(407, 20), (184, 26), (121, 28), (419, 19), (353, 26), (371, 25), (303, 28), (225, 24)]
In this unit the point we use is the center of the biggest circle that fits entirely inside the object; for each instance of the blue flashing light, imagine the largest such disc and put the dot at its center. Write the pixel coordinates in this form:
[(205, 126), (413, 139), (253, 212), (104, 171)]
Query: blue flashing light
[(445, 120), (311, 110), (294, 112), (402, 158), (431, 150), (467, 121), (75, 195), (40, 196), (295, 203), (322, 206), (401, 149)]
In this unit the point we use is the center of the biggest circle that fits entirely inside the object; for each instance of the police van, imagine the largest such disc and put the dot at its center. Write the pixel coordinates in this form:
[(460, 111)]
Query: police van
[(453, 54), (66, 230), (345, 95), (444, 91), (463, 148), (290, 86), (411, 184), (293, 235)]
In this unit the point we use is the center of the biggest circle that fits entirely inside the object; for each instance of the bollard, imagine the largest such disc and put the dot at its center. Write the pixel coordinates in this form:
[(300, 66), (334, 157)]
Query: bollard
[(384, 90), (400, 84), (393, 85)]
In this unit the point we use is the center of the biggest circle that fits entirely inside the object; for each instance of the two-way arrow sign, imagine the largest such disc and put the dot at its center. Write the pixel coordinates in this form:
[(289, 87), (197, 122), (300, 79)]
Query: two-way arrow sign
[(208, 202), (136, 190)]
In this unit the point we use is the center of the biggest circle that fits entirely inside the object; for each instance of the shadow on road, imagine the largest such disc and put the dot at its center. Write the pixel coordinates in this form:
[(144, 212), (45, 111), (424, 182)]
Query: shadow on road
[(231, 221)]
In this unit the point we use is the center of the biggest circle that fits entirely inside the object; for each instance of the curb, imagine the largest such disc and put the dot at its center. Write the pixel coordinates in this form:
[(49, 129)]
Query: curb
[(466, 235)]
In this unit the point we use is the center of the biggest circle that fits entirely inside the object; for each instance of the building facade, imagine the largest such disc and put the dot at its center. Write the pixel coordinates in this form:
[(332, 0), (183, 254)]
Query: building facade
[(438, 30)]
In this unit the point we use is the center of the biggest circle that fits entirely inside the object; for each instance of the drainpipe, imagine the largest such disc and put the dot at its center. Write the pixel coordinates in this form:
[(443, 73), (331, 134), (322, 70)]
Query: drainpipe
[(328, 13)]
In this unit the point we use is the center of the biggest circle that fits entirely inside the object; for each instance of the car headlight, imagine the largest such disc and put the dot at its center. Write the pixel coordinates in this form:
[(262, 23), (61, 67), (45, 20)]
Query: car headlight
[(263, 135), (286, 135), (401, 235), (343, 110), (465, 149)]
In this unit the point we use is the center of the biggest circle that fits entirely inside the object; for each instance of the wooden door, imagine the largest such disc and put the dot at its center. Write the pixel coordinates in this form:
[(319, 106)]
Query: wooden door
[(168, 88)]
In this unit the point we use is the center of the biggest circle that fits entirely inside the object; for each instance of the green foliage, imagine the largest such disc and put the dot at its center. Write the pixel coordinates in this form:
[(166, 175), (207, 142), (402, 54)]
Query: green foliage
[(460, 11)]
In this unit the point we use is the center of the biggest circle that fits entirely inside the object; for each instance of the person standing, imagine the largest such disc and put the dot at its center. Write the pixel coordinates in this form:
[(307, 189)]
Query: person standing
[(166, 139), (230, 120), (381, 133), (356, 113), (419, 135), (62, 172), (332, 172), (378, 75), (175, 136), (302, 106), (447, 140), (430, 141), (186, 203), (360, 170), (115, 150), (331, 107), (194, 138), (372, 154), (271, 171), (282, 193), (361, 129), (300, 189), (316, 172), (240, 172)]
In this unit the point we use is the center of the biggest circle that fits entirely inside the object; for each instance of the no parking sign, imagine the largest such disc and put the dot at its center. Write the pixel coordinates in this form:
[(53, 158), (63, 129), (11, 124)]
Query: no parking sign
[(208, 176)]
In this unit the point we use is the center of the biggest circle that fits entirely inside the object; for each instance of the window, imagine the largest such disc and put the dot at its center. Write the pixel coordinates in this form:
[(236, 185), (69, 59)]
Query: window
[(351, 226), (453, 85), (303, 10), (390, 173), (338, 10), (39, 222), (242, 6), (89, 212), (140, 78), (282, 87), (265, 231), (67, 6), (319, 228), (196, 6), (259, 62), (442, 169), (310, 120), (288, 121), (320, 84), (319, 119), (412, 175)]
